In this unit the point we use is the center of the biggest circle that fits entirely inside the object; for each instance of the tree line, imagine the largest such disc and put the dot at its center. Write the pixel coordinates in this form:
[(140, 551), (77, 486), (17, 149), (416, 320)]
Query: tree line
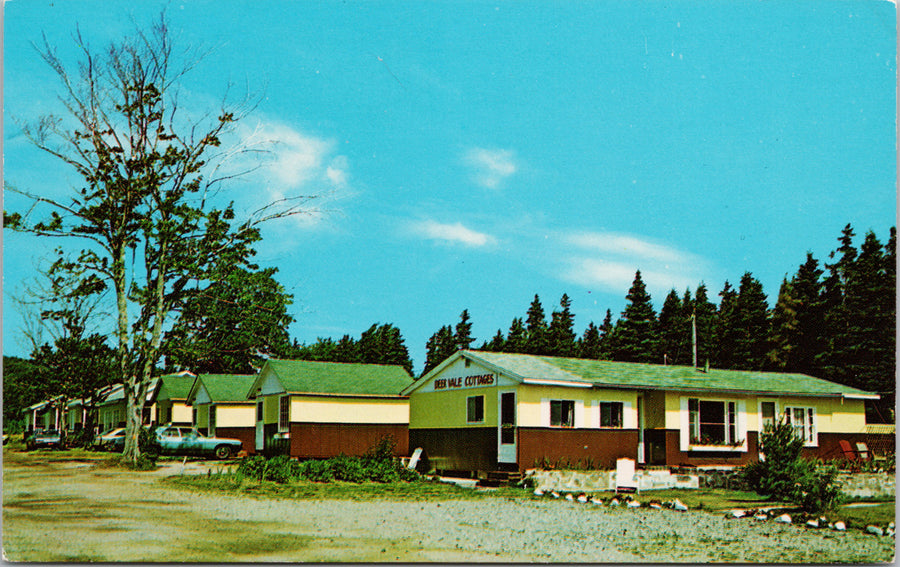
[(835, 322)]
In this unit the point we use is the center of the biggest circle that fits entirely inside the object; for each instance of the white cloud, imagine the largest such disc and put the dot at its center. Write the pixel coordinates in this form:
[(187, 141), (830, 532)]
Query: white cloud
[(452, 233), (609, 261), (285, 163), (625, 245), (490, 167)]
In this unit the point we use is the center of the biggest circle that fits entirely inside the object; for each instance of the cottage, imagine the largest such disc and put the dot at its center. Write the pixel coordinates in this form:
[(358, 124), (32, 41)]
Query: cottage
[(221, 407), (111, 410), (170, 396), (484, 411), (323, 409), (42, 415)]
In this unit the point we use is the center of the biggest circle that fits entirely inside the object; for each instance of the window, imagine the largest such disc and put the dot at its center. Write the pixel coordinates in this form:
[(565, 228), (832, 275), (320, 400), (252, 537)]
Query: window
[(562, 413), (712, 422), (802, 419), (259, 410), (212, 420), (767, 415), (194, 417), (611, 414), (475, 409), (284, 413)]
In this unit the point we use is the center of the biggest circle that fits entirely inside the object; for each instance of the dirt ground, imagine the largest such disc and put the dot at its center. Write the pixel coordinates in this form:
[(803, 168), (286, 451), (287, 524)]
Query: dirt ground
[(69, 511)]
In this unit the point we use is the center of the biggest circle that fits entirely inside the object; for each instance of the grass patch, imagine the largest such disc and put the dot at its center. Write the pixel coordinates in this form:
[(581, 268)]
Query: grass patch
[(412, 491), (859, 517), (713, 499)]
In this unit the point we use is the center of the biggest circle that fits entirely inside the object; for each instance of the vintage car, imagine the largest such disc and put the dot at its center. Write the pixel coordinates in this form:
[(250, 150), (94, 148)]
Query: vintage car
[(175, 440), (113, 440), (42, 438)]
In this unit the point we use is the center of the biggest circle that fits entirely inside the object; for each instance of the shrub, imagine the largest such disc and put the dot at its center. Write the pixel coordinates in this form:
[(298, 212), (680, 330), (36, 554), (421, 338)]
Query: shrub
[(785, 475), (149, 444), (253, 467), (349, 469), (282, 469), (316, 471)]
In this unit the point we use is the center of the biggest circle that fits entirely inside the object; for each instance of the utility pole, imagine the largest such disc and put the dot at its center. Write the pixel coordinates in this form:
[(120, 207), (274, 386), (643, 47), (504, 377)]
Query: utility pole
[(694, 335)]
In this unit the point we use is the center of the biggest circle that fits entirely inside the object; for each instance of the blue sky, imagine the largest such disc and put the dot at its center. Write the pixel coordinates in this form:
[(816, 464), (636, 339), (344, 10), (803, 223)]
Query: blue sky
[(468, 155)]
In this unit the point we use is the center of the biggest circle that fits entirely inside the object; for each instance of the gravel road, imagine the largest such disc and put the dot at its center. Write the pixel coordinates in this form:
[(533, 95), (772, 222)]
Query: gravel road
[(65, 512)]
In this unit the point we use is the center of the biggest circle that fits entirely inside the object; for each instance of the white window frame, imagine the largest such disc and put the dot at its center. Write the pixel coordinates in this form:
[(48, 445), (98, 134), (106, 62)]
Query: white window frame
[(574, 414), (740, 425), (621, 415), (284, 421), (810, 434), (469, 417)]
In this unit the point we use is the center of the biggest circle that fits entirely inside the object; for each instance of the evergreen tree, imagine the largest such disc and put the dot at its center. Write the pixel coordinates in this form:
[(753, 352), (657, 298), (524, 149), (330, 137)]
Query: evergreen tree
[(536, 339), (785, 330), (561, 333), (706, 320), (383, 344), (798, 321), (516, 337), (439, 348), (605, 351), (673, 331), (497, 344), (589, 345), (751, 322), (463, 334), (836, 312), (636, 331), (726, 328)]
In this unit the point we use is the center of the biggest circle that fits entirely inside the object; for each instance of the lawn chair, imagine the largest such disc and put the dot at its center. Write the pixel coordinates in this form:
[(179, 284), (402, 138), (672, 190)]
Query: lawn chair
[(626, 480), (862, 451), (849, 454)]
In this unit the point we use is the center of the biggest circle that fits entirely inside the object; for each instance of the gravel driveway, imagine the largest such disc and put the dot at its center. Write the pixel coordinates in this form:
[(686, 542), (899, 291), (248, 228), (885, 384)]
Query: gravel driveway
[(65, 512)]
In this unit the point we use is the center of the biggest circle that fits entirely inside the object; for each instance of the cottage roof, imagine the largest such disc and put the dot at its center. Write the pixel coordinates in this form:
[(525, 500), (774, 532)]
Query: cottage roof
[(174, 386), (223, 387), (631, 375), (337, 378)]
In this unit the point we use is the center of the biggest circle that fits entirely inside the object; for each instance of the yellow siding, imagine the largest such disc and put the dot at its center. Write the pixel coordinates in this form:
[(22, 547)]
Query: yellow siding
[(270, 409), (202, 416), (448, 408), (235, 415), (311, 409), (181, 412), (832, 415), (532, 397)]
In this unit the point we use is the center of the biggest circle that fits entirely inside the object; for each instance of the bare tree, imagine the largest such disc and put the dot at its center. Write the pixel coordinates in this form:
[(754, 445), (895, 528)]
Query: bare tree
[(147, 172)]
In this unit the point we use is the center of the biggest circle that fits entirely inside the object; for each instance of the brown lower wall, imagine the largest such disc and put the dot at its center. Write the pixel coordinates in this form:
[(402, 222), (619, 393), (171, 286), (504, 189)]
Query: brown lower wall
[(325, 440), (593, 448), (247, 435), (457, 449)]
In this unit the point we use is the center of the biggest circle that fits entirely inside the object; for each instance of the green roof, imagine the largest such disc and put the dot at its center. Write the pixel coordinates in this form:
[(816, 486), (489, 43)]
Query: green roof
[(339, 378), (227, 387), (602, 373), (177, 385)]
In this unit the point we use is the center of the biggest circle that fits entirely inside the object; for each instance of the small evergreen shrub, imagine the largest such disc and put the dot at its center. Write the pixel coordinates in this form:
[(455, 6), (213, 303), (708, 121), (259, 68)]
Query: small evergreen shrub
[(149, 444), (349, 469), (282, 469), (317, 471), (785, 475)]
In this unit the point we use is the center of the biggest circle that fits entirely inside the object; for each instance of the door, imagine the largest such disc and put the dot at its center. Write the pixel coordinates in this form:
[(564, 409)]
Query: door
[(506, 446), (260, 432)]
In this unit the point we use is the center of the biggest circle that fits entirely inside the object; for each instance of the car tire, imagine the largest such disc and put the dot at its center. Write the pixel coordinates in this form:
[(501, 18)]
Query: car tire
[(223, 452)]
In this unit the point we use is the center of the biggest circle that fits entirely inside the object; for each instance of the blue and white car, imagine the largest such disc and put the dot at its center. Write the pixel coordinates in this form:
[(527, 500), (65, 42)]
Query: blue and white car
[(179, 440)]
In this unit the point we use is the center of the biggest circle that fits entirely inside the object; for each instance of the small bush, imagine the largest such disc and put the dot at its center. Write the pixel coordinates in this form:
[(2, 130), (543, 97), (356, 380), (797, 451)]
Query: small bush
[(149, 444), (349, 469), (253, 467), (785, 475), (317, 471), (282, 469)]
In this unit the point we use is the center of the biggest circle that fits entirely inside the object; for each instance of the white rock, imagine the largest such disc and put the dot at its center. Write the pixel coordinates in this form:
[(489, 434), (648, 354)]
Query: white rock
[(538, 492), (614, 502), (874, 530), (634, 504), (554, 494), (738, 513), (889, 532), (583, 498), (569, 497), (840, 526), (656, 506), (761, 517), (679, 505), (784, 519), (891, 526), (812, 524)]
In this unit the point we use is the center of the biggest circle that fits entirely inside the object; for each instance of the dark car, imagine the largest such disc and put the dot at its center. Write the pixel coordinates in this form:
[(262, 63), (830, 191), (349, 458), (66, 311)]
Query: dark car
[(113, 440), (42, 439), (174, 440)]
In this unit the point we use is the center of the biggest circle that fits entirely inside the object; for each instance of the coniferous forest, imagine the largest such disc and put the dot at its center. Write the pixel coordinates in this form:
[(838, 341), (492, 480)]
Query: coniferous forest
[(833, 320)]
